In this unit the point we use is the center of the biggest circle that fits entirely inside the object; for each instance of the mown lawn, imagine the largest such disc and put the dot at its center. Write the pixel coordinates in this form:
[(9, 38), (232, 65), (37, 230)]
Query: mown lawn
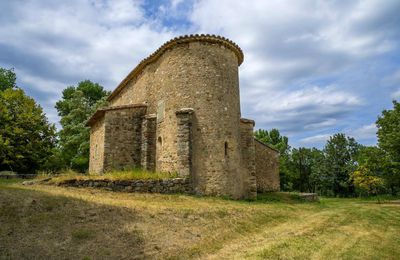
[(47, 222)]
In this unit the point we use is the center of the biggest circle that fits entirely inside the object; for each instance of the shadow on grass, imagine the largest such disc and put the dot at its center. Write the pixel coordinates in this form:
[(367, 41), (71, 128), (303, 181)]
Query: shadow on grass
[(5, 182), (37, 225)]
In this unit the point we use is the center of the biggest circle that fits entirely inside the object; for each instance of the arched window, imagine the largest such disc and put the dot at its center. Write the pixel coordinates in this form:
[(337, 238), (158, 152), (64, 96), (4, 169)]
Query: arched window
[(159, 141)]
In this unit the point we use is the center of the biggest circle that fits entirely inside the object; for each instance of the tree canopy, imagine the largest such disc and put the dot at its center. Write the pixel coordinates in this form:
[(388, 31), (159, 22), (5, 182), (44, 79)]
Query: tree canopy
[(7, 79), (274, 139), (389, 141), (340, 160), (77, 104), (26, 137), (389, 131)]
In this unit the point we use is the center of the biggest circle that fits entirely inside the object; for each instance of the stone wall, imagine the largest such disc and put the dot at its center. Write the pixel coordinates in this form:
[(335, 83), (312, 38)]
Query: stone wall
[(116, 138), (96, 161), (123, 135), (148, 153), (184, 142), (267, 167), (248, 158), (177, 185)]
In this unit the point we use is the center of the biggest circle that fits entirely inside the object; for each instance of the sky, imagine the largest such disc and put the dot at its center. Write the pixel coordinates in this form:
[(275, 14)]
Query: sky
[(311, 68)]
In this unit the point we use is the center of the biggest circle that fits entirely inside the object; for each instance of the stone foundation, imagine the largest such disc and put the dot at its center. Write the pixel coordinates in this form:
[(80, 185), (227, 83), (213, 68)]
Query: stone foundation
[(169, 186)]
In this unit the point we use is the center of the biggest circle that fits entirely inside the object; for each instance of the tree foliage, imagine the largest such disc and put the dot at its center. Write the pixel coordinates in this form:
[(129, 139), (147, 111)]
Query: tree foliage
[(342, 168), (367, 181), (274, 139), (389, 141), (26, 137), (340, 161), (306, 169), (7, 79), (389, 131), (76, 106)]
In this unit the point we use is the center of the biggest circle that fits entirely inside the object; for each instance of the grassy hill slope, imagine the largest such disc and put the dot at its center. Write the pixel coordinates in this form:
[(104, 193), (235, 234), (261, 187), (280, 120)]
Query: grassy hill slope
[(45, 222)]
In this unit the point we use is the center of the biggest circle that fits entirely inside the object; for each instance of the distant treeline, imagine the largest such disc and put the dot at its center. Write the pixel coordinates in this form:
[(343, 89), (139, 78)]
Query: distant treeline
[(343, 167)]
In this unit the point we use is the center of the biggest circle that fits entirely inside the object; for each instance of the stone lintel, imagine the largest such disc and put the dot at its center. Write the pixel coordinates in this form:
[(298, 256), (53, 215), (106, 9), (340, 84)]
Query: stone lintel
[(247, 121), (185, 111)]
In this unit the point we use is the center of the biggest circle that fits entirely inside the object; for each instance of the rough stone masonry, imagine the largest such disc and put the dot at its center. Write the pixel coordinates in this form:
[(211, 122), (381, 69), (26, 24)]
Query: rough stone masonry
[(179, 111)]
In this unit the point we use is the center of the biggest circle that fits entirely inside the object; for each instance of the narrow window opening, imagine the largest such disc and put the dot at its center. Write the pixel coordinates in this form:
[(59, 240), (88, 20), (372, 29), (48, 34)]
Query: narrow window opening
[(226, 149), (159, 141)]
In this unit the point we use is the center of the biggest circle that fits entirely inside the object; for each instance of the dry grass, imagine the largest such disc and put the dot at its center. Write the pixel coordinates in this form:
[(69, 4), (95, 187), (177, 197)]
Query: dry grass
[(47, 222)]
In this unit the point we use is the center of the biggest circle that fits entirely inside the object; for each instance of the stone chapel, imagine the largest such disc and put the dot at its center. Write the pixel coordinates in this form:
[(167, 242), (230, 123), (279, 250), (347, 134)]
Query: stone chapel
[(179, 111)]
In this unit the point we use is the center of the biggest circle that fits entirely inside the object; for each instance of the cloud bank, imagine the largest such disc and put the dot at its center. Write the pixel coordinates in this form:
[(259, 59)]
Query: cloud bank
[(311, 69)]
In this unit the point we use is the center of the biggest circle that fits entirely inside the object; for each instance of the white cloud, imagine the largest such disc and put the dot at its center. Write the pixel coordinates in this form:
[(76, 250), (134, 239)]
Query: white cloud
[(175, 3), (316, 139), (396, 94), (364, 132), (119, 12), (307, 109), (323, 124), (328, 99)]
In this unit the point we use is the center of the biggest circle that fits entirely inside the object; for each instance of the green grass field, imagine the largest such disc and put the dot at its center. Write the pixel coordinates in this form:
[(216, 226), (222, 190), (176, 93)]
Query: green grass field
[(48, 222)]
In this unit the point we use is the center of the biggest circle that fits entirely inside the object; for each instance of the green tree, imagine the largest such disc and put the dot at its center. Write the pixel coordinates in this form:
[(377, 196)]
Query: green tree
[(306, 170), (318, 177), (340, 161), (375, 159), (389, 131), (389, 140), (26, 137), (7, 79), (300, 167), (76, 106), (372, 162), (365, 180), (274, 139)]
